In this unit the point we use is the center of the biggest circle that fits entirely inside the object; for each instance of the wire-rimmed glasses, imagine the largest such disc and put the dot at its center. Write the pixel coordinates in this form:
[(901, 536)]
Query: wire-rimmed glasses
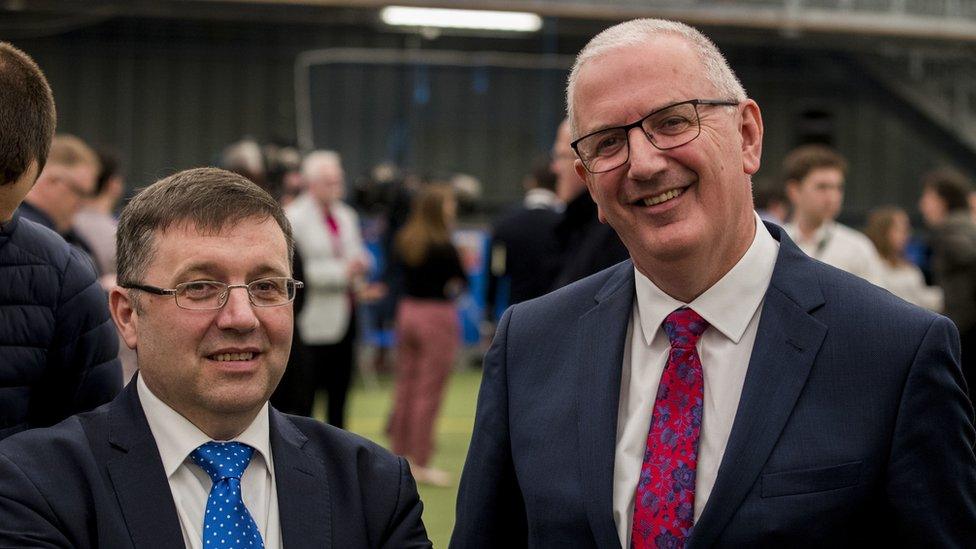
[(204, 295)]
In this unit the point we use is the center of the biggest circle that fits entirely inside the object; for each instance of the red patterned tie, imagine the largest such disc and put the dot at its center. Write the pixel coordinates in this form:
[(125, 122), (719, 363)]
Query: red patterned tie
[(664, 506)]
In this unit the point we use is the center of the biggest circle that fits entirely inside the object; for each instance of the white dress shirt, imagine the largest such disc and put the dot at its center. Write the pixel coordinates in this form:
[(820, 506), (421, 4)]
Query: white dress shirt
[(840, 246), (176, 438), (732, 307)]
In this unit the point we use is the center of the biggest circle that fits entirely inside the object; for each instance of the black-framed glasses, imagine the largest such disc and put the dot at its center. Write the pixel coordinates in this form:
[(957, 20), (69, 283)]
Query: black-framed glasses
[(204, 295), (666, 128)]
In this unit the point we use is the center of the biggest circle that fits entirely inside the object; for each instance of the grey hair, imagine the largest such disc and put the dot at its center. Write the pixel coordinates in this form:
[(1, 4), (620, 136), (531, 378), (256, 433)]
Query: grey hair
[(315, 159), (637, 31)]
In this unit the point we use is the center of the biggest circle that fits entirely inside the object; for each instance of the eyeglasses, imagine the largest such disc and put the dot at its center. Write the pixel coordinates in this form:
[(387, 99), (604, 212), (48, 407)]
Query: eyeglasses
[(202, 295), (75, 188), (666, 128)]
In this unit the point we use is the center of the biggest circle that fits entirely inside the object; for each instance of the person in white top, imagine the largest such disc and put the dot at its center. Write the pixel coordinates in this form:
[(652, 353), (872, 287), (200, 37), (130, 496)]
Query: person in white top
[(328, 238), (721, 388), (814, 176), (889, 229), (205, 298)]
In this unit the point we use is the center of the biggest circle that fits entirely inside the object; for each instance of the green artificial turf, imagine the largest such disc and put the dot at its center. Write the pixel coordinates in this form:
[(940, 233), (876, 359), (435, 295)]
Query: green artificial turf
[(368, 410)]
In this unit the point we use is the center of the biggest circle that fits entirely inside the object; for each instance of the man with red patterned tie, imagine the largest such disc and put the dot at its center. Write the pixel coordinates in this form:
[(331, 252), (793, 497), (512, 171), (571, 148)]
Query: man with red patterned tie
[(720, 388)]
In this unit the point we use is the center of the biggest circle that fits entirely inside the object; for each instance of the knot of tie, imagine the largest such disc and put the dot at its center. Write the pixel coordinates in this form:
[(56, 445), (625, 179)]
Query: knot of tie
[(684, 326), (222, 460)]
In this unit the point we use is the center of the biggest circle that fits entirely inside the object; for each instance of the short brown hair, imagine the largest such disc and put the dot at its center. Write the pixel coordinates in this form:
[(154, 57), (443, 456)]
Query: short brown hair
[(806, 158), (27, 114), (209, 198), (952, 187)]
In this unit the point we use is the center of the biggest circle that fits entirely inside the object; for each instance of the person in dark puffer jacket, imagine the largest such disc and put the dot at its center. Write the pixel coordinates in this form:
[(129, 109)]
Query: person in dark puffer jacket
[(58, 345)]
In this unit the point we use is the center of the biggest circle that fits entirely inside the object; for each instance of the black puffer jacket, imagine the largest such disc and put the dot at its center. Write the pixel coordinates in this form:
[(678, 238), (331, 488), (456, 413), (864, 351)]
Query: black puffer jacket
[(58, 345)]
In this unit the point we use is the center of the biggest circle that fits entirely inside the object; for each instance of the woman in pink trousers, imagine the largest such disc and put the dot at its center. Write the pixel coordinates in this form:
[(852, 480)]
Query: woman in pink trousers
[(427, 328)]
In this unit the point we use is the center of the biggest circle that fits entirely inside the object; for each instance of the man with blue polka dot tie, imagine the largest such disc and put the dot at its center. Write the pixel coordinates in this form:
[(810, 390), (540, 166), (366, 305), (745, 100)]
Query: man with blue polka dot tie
[(191, 453)]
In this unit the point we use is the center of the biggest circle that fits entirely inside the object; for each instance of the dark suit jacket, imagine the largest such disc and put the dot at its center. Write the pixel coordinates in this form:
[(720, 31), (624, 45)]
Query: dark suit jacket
[(853, 427), (96, 480), (527, 237), (586, 245)]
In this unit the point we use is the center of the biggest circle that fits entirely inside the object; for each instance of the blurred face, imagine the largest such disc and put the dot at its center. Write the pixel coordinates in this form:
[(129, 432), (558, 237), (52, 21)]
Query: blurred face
[(328, 183), (210, 366), (899, 232), (819, 196), (61, 191), (671, 205), (932, 207), (568, 183)]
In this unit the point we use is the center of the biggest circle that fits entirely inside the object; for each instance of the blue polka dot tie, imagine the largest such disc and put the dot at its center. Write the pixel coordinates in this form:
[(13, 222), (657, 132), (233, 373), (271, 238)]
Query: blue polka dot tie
[(226, 522)]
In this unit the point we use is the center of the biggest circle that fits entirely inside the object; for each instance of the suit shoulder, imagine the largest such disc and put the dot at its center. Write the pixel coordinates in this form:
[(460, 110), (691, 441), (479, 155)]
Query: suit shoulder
[(580, 295), (862, 301), (330, 440)]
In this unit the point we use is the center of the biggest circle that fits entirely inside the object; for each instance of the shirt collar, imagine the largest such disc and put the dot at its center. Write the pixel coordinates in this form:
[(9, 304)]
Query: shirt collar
[(176, 437), (540, 198), (729, 304), (819, 235)]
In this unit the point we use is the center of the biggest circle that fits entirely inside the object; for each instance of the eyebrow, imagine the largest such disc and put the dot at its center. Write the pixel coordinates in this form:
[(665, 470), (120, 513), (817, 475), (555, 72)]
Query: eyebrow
[(213, 270), (615, 126)]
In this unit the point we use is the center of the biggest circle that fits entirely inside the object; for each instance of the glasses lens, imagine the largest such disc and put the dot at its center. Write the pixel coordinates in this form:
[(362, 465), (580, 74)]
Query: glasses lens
[(673, 126), (201, 294), (268, 292), (603, 151)]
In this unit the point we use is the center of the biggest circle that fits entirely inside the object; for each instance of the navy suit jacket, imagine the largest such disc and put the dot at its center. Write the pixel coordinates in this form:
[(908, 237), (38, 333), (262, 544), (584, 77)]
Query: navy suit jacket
[(96, 480), (853, 427)]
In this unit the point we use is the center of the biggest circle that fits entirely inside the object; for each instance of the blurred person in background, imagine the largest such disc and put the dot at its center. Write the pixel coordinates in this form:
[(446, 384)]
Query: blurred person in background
[(427, 327), (246, 158), (327, 235), (95, 221), (586, 245), (944, 205), (889, 229), (58, 345), (67, 181), (771, 204), (814, 180), (524, 250)]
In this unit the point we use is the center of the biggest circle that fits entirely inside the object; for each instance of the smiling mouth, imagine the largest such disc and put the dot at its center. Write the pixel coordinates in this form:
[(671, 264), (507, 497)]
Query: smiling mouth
[(229, 357), (663, 197)]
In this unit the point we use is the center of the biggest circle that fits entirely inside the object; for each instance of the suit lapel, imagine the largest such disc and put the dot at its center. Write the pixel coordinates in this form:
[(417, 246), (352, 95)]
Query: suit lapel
[(304, 503), (137, 474), (601, 339), (787, 343)]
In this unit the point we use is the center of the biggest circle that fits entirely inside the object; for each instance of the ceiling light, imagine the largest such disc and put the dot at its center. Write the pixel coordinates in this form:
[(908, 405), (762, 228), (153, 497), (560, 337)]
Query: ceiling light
[(461, 19)]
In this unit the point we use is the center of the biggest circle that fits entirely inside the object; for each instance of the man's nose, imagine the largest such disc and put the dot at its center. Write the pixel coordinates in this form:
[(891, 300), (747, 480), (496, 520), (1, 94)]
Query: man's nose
[(645, 159), (237, 313)]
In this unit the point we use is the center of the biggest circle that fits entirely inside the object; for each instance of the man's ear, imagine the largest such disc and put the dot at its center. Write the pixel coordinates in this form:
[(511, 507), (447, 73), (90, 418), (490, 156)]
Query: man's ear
[(588, 180), (752, 134), (125, 314)]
